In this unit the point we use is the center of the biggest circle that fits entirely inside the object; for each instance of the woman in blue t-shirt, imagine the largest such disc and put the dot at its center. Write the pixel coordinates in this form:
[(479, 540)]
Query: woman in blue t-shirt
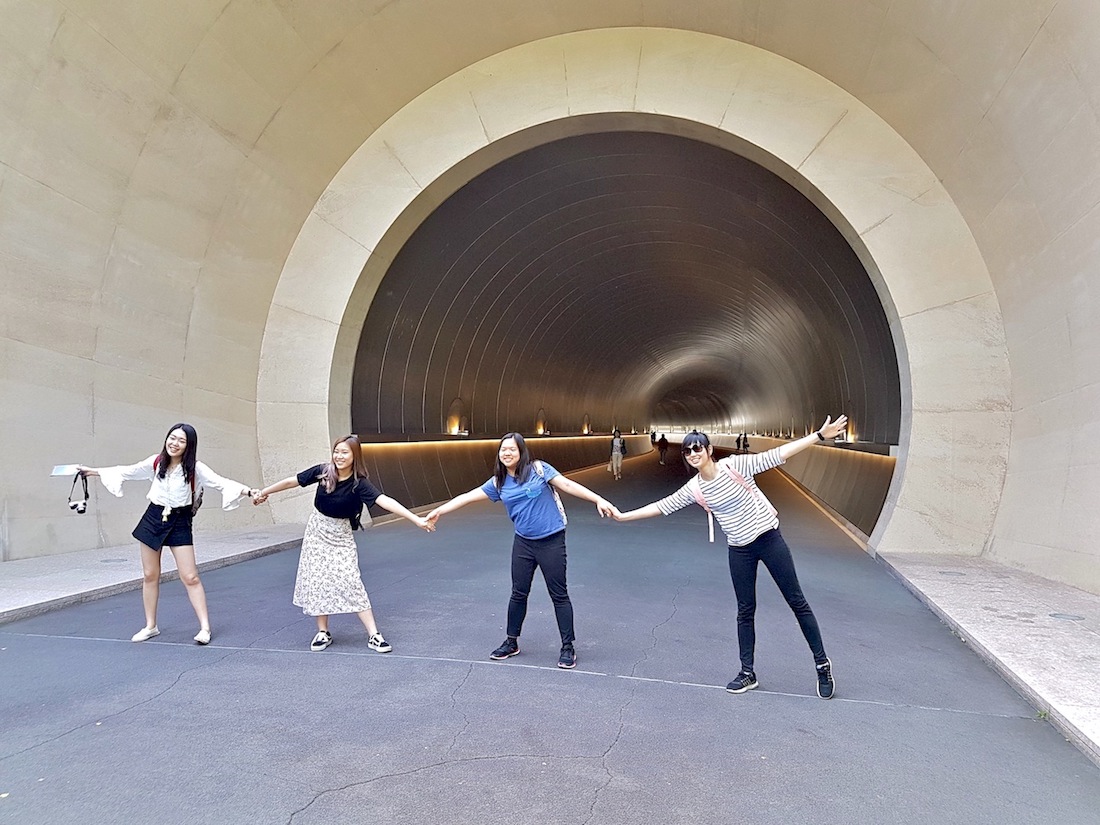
[(528, 490), (328, 579)]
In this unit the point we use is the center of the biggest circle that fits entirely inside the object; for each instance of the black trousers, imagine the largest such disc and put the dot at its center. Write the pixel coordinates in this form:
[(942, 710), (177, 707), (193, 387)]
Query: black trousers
[(771, 549), (548, 555)]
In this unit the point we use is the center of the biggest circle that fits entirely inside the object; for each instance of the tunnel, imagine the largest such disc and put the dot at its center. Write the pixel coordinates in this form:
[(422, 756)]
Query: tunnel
[(632, 280)]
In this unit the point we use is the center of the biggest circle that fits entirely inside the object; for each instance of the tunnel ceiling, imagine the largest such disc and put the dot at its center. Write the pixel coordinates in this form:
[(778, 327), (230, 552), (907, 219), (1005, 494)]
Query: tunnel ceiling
[(636, 278)]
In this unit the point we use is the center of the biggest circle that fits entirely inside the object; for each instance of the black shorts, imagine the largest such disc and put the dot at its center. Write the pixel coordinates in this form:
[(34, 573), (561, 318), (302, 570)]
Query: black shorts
[(155, 532)]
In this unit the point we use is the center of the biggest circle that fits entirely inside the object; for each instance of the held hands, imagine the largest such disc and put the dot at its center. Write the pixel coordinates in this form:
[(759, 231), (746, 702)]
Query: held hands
[(605, 508), (831, 429), (425, 523), (258, 497)]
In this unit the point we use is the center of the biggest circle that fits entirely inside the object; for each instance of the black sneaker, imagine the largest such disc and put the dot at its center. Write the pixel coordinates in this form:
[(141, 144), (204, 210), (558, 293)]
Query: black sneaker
[(825, 683), (376, 642), (746, 680), (510, 647), (568, 657), (322, 640)]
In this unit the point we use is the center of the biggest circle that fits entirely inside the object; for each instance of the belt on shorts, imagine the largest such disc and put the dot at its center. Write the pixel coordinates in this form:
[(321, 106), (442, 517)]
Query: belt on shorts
[(171, 511)]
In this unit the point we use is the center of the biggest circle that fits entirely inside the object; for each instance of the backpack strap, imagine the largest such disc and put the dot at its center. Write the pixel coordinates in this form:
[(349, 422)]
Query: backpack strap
[(753, 491), (557, 499), (697, 492)]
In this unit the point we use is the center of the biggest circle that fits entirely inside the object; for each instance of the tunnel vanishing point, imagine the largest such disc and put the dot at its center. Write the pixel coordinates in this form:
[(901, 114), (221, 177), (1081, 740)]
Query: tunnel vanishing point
[(285, 221)]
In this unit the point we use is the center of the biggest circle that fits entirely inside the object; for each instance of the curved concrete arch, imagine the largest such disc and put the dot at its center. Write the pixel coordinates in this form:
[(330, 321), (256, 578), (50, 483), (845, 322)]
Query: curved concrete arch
[(873, 186)]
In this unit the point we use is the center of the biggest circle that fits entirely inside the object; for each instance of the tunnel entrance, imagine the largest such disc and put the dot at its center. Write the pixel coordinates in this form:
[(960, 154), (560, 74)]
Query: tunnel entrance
[(632, 278)]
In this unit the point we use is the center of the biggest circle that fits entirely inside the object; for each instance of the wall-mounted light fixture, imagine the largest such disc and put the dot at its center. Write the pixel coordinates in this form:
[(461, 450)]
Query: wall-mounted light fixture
[(456, 419)]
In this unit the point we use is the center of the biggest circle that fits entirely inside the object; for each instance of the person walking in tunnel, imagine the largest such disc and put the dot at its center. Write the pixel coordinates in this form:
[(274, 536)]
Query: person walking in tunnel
[(528, 490), (727, 490), (662, 447), (328, 579), (618, 450), (178, 480)]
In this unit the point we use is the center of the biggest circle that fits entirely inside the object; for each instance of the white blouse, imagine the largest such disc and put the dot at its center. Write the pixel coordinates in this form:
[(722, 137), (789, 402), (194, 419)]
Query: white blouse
[(173, 490)]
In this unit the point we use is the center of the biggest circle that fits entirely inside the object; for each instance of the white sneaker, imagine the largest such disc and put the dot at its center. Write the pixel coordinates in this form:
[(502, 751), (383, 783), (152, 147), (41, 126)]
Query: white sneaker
[(145, 634), (203, 637), (376, 642), (322, 640)]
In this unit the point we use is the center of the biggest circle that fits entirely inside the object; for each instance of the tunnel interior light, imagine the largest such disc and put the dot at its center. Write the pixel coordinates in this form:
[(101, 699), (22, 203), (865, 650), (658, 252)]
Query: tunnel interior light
[(456, 418)]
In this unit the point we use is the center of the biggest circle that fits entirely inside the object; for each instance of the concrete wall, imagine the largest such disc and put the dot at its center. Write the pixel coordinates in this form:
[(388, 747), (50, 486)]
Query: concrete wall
[(159, 162)]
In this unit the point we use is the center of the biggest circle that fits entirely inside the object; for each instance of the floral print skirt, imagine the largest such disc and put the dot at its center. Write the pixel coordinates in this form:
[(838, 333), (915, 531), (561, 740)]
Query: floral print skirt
[(328, 579)]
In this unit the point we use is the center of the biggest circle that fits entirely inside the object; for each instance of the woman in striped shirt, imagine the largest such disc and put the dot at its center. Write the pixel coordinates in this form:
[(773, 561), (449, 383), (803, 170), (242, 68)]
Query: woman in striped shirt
[(727, 490)]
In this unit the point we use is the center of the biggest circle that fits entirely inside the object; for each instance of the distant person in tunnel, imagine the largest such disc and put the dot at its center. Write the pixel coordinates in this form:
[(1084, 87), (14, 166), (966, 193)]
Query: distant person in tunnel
[(618, 450), (328, 579), (662, 447), (727, 489), (528, 490)]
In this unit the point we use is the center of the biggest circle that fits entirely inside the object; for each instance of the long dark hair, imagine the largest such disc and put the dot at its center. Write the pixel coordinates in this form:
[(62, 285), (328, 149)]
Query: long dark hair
[(694, 437), (523, 467), (329, 474), (190, 453)]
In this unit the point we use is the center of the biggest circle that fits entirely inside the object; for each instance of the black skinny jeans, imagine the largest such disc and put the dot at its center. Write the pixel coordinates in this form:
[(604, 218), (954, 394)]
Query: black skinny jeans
[(548, 555), (771, 549)]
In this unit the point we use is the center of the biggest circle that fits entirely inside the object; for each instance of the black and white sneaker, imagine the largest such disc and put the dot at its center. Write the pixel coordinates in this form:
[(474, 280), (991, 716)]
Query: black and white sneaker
[(746, 680), (825, 684), (376, 642), (322, 640), (568, 657), (509, 647)]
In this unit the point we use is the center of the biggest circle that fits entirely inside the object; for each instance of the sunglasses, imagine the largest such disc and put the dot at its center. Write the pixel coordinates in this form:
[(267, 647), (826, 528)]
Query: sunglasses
[(694, 448)]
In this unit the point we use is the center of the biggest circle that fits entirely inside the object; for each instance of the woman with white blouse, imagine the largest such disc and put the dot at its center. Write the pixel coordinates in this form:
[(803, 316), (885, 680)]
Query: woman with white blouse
[(727, 490), (178, 477)]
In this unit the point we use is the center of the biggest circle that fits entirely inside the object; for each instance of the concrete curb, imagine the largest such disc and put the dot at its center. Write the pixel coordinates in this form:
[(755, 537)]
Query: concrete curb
[(1046, 710)]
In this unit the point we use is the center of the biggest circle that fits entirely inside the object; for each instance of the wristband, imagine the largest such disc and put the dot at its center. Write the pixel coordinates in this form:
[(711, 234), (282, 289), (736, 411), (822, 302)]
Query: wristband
[(820, 437)]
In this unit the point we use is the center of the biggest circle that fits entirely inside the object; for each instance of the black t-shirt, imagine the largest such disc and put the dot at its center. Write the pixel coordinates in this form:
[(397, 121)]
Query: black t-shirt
[(347, 498)]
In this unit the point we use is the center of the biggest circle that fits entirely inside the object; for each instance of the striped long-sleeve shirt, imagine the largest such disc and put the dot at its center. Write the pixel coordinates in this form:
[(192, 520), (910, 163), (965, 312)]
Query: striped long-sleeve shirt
[(742, 514)]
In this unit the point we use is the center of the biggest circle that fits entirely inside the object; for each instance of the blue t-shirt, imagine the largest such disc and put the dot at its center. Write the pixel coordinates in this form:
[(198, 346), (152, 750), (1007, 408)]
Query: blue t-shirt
[(531, 505)]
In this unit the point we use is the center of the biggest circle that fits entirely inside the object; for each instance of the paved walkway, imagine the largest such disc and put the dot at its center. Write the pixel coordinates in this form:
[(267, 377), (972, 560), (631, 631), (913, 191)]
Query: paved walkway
[(32, 586), (255, 728)]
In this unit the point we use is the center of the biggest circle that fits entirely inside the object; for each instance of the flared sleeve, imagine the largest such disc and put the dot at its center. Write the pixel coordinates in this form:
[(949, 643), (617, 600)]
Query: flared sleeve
[(232, 491), (112, 477)]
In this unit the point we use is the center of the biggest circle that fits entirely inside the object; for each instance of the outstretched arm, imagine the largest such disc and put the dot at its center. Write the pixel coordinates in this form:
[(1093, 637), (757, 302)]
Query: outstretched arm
[(477, 494), (567, 485), (112, 477), (649, 511), (397, 508), (830, 429)]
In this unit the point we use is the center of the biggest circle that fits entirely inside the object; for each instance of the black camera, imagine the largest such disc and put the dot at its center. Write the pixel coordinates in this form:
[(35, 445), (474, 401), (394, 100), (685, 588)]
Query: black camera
[(80, 505)]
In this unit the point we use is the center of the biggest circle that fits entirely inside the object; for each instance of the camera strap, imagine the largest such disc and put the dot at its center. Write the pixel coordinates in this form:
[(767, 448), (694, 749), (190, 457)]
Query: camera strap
[(83, 480)]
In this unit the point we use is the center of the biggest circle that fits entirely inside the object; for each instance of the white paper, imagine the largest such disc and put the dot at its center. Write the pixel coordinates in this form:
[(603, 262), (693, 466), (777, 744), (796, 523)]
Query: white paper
[(65, 470)]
